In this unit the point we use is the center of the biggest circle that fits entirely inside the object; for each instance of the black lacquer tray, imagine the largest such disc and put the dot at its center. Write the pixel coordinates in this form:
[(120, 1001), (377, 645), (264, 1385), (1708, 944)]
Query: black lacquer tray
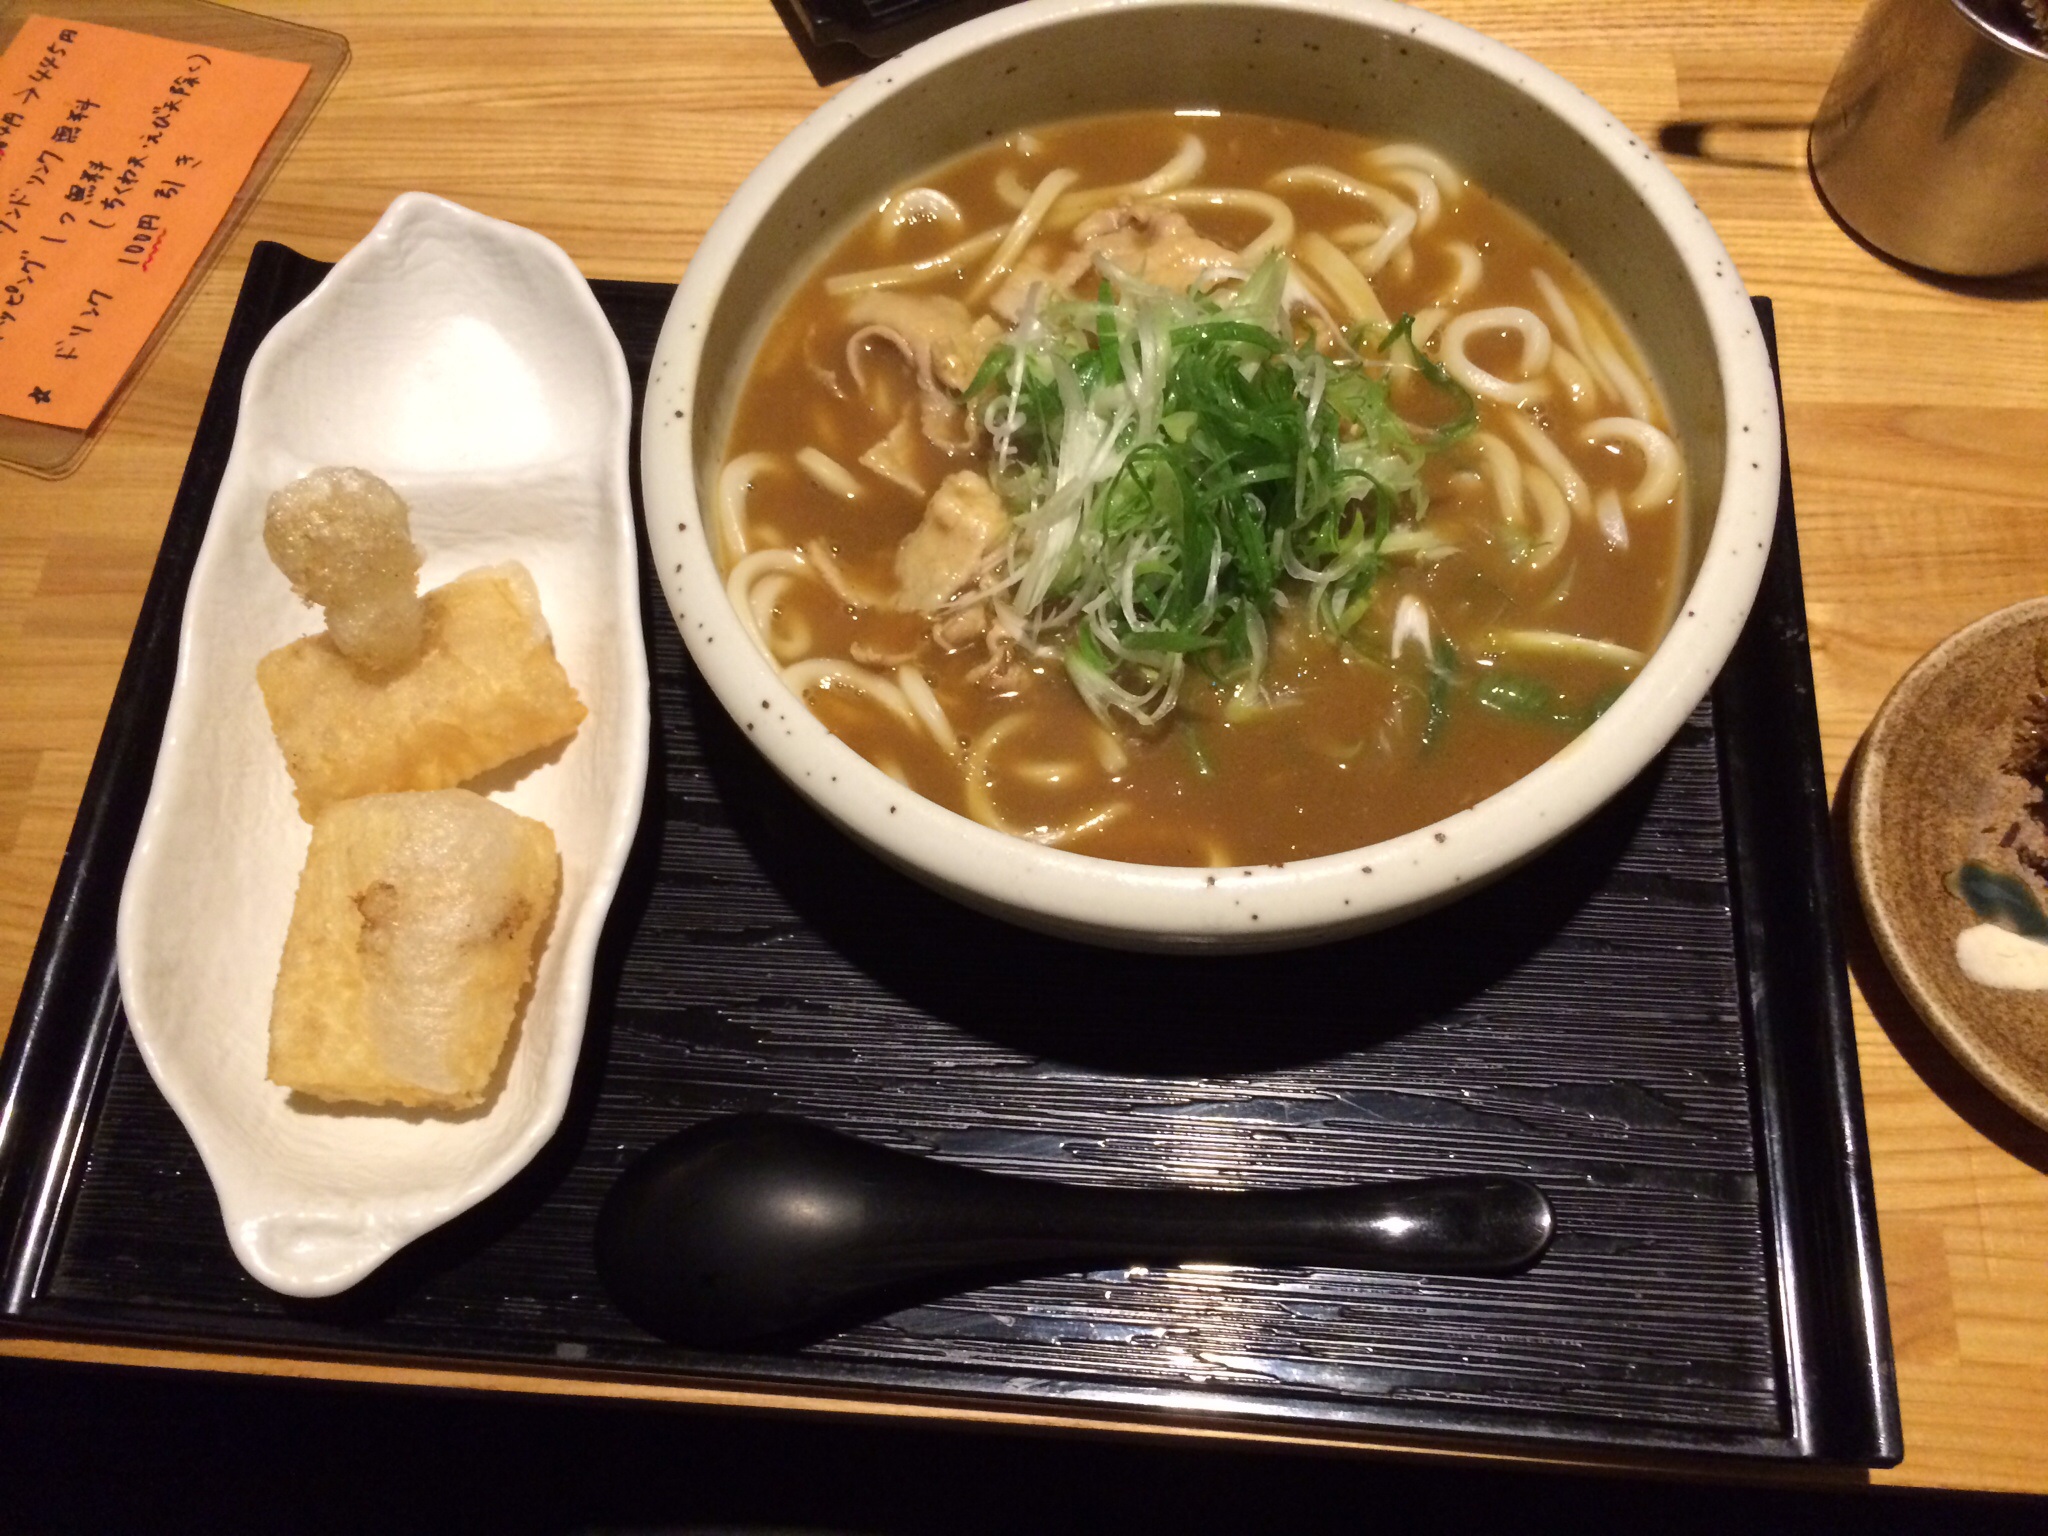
[(1651, 1022)]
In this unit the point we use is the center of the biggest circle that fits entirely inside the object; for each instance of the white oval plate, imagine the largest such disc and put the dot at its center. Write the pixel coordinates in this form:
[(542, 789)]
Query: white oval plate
[(466, 361)]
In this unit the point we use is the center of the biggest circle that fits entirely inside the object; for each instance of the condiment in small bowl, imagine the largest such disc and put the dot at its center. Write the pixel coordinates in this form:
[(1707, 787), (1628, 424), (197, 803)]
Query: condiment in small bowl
[(1938, 826)]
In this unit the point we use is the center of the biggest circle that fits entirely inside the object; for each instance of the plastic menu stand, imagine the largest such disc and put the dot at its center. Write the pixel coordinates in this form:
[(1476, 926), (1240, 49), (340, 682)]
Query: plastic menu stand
[(52, 451)]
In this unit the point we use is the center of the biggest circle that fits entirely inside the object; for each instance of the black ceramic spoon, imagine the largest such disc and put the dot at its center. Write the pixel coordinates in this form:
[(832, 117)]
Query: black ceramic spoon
[(762, 1227)]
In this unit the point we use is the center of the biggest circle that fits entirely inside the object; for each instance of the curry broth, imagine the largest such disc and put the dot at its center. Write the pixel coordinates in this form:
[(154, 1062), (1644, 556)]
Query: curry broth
[(1353, 747)]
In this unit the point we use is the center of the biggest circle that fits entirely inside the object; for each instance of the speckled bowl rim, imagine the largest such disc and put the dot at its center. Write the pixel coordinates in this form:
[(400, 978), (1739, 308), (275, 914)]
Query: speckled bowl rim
[(1267, 906), (1866, 853)]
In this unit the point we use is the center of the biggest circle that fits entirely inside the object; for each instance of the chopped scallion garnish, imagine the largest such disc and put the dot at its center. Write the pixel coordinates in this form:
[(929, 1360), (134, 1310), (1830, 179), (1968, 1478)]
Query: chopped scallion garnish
[(1171, 460)]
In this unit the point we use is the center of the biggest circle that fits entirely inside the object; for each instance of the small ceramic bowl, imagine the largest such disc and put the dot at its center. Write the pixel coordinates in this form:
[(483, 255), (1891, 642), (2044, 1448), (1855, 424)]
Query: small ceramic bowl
[(1364, 65), (1930, 795)]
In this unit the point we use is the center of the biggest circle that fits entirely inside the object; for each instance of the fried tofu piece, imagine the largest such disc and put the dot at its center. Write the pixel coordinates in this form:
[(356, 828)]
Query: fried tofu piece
[(415, 931), (485, 689)]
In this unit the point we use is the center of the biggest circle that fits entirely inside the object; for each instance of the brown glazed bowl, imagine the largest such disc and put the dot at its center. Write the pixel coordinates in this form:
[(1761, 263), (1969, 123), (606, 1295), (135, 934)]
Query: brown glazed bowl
[(1930, 793)]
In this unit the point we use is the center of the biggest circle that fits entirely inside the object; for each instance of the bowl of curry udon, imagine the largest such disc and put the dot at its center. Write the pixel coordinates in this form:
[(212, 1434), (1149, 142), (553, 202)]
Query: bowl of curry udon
[(1210, 476)]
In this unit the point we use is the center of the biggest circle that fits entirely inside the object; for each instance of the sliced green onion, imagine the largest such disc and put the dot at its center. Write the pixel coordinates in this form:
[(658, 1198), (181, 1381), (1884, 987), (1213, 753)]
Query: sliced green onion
[(1170, 460)]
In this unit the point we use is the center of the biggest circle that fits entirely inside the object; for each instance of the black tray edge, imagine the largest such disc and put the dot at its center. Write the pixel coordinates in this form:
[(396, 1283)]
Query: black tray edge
[(839, 23), (1830, 1304), (1561, 1437)]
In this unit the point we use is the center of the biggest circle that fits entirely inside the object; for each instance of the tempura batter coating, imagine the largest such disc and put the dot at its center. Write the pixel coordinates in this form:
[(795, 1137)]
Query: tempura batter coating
[(486, 689), (411, 942), (343, 538)]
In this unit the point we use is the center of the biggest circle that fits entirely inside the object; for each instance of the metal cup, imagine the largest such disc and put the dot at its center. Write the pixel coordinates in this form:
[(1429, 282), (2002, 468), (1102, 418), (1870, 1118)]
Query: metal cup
[(1932, 142)]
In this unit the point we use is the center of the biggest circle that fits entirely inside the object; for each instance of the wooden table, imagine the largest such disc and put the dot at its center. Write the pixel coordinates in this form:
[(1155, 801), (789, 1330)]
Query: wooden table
[(1918, 422)]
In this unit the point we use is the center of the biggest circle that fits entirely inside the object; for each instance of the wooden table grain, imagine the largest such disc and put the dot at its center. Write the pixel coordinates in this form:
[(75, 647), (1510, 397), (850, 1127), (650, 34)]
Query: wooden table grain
[(1918, 421)]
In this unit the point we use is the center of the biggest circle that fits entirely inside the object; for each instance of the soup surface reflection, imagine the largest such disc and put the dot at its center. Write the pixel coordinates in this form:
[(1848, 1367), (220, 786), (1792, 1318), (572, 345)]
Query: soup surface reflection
[(1201, 491)]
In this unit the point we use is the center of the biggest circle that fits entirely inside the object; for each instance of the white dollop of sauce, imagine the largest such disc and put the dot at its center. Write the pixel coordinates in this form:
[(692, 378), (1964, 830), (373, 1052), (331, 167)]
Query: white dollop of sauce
[(1993, 956)]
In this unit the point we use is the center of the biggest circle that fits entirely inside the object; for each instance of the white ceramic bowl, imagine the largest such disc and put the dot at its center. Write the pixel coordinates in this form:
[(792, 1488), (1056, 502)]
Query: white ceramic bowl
[(1369, 66)]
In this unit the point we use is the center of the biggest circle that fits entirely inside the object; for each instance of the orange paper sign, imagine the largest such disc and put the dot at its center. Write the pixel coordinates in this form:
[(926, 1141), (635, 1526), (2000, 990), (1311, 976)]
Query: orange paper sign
[(119, 157)]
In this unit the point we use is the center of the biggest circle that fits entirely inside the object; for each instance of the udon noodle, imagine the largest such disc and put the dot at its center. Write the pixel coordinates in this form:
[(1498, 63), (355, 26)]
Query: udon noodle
[(1201, 490)]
